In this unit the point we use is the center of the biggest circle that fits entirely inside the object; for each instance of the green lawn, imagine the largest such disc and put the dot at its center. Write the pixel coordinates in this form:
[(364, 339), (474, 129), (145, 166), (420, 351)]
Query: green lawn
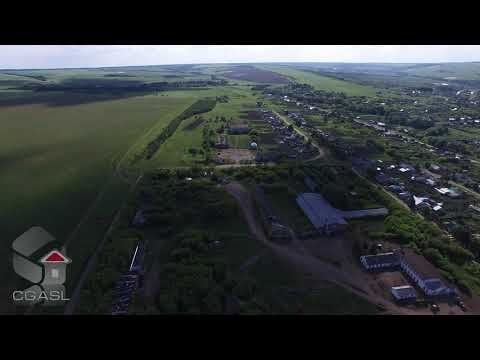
[(174, 152)]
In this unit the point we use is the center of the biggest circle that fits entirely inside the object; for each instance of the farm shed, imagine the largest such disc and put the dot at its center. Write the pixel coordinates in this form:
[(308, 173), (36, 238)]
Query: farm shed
[(403, 293), (321, 214), (424, 274), (381, 261)]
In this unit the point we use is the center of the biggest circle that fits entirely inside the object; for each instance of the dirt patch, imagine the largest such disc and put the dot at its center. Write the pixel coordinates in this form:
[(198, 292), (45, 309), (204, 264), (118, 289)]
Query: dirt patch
[(387, 280), (251, 73), (229, 156)]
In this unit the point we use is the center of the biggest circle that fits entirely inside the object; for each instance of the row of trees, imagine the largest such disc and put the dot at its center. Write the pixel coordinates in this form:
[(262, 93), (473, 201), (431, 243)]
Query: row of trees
[(199, 107)]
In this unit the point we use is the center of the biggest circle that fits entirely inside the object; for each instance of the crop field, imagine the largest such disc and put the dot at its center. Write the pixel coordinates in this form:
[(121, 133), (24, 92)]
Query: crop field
[(322, 82), (450, 71), (55, 161), (144, 74), (254, 74)]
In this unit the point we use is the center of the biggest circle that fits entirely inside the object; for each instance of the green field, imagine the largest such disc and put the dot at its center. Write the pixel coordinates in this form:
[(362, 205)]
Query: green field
[(449, 71), (175, 150), (144, 74), (56, 161), (69, 158), (322, 82)]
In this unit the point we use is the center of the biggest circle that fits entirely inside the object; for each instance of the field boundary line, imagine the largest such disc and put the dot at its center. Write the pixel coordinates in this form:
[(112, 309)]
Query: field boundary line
[(70, 306)]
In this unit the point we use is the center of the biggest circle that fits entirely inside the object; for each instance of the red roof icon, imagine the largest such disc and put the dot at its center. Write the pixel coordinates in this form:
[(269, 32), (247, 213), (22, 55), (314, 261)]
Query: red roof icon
[(55, 256)]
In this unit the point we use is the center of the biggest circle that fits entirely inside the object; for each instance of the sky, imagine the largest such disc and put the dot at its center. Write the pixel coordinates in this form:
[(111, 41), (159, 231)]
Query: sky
[(71, 56)]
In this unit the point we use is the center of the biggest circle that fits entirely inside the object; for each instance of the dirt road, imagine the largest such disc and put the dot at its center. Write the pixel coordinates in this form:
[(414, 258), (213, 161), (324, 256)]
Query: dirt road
[(348, 276), (70, 306), (321, 151), (298, 257)]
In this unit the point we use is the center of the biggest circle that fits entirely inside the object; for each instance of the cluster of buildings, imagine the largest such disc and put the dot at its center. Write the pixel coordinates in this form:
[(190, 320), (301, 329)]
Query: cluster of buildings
[(299, 104), (288, 135), (415, 268), (325, 218), (396, 177)]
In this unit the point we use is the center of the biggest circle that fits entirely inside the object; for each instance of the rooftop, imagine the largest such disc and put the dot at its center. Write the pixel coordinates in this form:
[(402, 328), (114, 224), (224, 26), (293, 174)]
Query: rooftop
[(403, 292), (421, 265), (382, 259), (319, 211)]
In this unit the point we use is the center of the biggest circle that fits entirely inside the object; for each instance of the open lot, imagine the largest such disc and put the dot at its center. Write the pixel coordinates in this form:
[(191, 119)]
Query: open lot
[(234, 155)]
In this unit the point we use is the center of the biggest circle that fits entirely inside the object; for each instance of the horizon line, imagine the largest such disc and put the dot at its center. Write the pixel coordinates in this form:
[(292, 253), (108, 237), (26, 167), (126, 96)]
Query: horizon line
[(252, 62)]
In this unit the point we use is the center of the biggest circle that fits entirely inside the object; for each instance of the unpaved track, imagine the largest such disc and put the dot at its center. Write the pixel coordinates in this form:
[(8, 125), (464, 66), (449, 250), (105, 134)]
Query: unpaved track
[(70, 306), (471, 192), (321, 151), (301, 259)]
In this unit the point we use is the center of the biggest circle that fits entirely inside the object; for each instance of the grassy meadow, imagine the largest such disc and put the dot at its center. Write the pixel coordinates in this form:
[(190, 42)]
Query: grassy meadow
[(174, 152)]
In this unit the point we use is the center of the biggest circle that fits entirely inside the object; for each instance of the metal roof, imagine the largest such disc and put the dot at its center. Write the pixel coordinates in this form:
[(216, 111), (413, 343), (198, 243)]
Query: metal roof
[(319, 211), (390, 258), (434, 284), (403, 292)]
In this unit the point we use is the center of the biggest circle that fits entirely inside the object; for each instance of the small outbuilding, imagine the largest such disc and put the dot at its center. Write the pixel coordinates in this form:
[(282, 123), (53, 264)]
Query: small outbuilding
[(403, 293)]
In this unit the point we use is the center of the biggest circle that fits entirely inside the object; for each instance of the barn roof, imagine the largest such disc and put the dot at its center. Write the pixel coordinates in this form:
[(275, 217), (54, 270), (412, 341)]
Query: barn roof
[(319, 211)]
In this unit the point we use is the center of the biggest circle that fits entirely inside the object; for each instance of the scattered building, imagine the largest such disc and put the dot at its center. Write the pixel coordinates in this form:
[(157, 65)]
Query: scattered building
[(403, 293), (381, 261), (325, 218)]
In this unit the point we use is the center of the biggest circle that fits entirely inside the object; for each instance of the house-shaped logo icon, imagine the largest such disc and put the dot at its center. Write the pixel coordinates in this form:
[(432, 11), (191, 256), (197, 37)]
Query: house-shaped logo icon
[(55, 264)]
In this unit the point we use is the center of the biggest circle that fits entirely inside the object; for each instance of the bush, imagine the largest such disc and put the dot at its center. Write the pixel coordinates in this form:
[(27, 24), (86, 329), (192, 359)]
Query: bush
[(244, 289), (433, 255)]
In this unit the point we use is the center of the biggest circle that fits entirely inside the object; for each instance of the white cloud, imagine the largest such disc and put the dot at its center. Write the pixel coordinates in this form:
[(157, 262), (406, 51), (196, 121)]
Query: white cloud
[(57, 56)]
